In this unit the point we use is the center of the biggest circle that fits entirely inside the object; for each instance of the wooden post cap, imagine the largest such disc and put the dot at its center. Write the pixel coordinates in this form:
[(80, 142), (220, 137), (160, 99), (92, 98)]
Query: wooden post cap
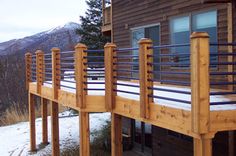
[(145, 41), (199, 35), (39, 52), (80, 45), (55, 49), (112, 45), (28, 54)]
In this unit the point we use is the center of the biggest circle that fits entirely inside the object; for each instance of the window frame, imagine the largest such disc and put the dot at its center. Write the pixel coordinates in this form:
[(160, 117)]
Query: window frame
[(190, 16)]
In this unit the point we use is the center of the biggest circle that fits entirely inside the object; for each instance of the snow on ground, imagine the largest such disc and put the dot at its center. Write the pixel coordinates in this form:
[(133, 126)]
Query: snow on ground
[(14, 139)]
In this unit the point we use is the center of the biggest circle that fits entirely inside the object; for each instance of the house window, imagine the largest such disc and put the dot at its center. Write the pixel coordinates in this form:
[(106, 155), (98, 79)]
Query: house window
[(182, 27), (152, 32)]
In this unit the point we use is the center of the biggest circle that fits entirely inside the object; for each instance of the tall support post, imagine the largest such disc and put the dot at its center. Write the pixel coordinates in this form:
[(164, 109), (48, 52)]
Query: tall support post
[(144, 75), (28, 73), (44, 111), (32, 122), (39, 70), (116, 135), (54, 105), (200, 109), (109, 76), (84, 133), (202, 147), (80, 73)]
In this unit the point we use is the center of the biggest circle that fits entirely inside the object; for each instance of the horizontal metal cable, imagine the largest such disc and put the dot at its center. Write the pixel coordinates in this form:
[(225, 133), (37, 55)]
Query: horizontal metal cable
[(170, 90), (47, 82), (126, 78), (222, 73), (170, 64), (97, 51), (91, 76), (222, 93), (67, 52), (223, 54), (222, 63), (125, 56), (89, 57), (223, 83), (125, 49), (222, 44), (67, 86), (93, 70), (169, 73), (68, 81), (169, 46), (223, 103), (67, 58), (94, 82), (171, 82), (128, 85), (170, 99), (95, 89), (66, 69), (126, 63), (128, 92), (126, 71), (94, 63)]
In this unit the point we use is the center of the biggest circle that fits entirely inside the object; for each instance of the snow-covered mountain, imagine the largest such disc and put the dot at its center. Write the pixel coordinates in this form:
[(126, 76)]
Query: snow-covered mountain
[(63, 37)]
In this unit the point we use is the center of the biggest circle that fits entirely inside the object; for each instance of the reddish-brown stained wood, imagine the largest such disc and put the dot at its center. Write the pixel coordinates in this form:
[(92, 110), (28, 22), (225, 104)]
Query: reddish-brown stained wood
[(28, 74), (200, 85), (109, 75), (80, 74), (84, 133), (55, 129), (56, 78), (39, 69), (32, 122), (116, 135), (144, 75), (44, 111)]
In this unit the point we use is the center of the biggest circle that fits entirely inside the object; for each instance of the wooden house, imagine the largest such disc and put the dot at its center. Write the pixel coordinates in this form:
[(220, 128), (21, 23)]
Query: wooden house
[(170, 22)]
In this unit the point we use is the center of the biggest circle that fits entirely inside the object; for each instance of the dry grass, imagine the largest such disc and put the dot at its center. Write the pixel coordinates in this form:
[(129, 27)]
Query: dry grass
[(15, 114)]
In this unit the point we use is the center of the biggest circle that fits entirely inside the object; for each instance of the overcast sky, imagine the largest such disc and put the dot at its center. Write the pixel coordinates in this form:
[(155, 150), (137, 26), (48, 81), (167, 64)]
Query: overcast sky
[(19, 18)]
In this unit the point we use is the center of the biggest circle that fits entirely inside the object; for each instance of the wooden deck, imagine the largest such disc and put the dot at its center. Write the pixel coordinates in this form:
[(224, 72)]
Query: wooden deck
[(199, 122)]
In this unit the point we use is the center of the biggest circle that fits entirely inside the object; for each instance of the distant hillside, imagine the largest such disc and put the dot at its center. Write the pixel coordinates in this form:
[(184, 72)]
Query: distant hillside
[(63, 37)]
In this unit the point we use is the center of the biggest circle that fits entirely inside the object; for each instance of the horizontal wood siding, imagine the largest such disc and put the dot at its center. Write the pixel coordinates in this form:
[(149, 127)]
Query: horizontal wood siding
[(134, 13)]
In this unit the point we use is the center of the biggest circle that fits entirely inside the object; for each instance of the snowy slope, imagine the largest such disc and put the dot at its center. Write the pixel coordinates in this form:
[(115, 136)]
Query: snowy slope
[(14, 139)]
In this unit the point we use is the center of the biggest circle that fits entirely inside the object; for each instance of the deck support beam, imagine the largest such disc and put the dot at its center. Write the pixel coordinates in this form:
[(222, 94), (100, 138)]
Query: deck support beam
[(44, 114), (203, 147), (55, 129), (84, 133), (116, 135), (32, 122), (56, 79)]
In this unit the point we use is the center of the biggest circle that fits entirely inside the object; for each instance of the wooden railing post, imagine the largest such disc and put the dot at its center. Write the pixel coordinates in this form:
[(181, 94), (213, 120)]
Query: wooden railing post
[(56, 78), (28, 73), (144, 75), (54, 105), (80, 73), (200, 108), (39, 70), (109, 75)]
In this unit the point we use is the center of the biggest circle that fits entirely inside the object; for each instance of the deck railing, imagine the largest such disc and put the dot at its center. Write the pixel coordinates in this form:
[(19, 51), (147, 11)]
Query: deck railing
[(136, 72)]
